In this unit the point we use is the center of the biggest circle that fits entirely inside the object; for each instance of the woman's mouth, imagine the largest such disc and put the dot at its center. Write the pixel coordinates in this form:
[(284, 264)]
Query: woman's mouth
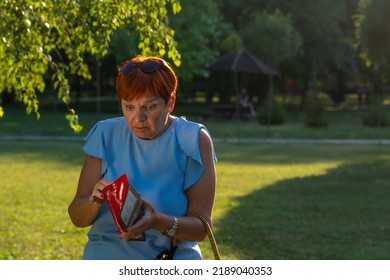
[(141, 128)]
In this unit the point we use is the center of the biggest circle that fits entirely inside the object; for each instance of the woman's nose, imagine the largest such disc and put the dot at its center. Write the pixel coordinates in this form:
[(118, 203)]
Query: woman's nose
[(140, 115)]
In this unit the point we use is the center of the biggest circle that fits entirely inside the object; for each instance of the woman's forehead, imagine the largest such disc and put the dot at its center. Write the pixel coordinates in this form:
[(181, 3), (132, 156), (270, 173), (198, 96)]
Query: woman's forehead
[(143, 99)]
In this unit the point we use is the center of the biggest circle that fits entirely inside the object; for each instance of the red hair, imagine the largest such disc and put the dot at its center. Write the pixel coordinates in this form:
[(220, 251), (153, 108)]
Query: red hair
[(161, 83)]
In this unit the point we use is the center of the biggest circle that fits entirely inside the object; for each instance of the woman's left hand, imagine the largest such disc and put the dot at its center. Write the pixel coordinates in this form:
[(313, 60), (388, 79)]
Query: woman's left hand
[(145, 223)]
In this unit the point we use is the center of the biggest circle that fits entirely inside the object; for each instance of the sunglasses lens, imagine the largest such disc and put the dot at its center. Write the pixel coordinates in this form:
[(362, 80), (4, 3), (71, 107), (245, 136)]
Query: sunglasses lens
[(150, 66), (129, 67)]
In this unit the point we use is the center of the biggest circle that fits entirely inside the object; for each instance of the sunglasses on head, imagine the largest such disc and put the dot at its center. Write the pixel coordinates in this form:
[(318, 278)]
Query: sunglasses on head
[(148, 66)]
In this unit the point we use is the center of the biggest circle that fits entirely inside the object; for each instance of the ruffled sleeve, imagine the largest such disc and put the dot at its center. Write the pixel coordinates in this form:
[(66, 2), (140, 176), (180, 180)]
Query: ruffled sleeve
[(188, 139), (95, 144)]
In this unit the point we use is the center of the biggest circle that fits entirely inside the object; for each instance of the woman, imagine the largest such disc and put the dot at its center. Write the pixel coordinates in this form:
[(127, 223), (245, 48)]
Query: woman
[(168, 160)]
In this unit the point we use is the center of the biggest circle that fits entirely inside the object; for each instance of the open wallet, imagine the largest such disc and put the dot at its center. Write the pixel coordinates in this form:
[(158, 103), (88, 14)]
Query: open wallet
[(125, 204)]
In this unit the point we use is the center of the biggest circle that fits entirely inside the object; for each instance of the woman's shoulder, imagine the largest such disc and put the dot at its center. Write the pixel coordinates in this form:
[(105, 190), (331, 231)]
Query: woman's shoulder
[(190, 134), (105, 127), (112, 122), (184, 125), (189, 129)]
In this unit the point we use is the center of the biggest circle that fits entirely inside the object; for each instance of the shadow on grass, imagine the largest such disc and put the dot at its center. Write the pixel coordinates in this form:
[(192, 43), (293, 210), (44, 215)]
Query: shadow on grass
[(340, 215)]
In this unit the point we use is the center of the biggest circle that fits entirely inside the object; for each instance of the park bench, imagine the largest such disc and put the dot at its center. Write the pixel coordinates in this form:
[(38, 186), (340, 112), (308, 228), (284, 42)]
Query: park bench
[(224, 111)]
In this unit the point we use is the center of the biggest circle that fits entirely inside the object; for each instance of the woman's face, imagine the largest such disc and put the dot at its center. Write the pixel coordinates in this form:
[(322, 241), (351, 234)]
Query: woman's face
[(148, 116)]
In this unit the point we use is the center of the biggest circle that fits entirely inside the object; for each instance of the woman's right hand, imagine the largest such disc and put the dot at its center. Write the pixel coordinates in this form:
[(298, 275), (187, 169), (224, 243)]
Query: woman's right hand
[(97, 196), (88, 194)]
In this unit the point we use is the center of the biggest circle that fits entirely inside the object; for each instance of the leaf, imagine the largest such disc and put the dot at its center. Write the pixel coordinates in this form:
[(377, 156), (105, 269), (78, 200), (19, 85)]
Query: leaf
[(161, 52), (73, 119), (176, 7)]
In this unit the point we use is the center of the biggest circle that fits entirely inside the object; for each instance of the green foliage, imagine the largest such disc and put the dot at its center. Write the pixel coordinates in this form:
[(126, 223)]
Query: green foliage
[(272, 37), (74, 121), (37, 37), (232, 43), (377, 114), (199, 31), (314, 114), (375, 30), (272, 113)]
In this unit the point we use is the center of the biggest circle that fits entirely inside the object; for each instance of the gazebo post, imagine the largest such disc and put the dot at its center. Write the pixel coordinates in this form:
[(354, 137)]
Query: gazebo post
[(270, 98), (237, 104)]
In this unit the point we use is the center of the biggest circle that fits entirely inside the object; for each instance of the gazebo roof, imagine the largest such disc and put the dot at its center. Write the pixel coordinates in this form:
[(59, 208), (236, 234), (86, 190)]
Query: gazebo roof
[(242, 62)]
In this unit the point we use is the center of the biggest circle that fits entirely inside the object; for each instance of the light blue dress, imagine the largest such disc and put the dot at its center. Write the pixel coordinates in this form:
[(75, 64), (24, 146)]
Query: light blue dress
[(160, 170)]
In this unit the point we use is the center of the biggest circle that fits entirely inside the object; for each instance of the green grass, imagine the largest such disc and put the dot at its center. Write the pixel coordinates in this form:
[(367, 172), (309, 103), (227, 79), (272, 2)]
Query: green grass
[(295, 201), (274, 201), (38, 183)]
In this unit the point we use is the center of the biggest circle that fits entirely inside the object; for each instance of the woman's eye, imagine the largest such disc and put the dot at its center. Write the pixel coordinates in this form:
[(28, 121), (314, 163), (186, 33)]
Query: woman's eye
[(151, 107), (129, 108)]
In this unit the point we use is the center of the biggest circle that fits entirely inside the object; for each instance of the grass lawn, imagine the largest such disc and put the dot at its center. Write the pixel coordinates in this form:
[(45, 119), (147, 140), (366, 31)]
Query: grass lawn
[(274, 201), (295, 201)]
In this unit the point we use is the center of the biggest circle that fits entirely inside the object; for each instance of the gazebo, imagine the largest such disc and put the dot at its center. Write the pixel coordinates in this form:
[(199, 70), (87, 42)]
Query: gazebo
[(245, 62)]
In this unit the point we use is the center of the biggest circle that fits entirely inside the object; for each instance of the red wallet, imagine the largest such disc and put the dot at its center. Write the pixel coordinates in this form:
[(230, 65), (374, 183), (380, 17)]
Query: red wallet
[(125, 203)]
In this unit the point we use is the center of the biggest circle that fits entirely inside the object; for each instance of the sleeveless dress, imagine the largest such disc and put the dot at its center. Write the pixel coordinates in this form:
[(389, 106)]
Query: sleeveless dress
[(160, 170)]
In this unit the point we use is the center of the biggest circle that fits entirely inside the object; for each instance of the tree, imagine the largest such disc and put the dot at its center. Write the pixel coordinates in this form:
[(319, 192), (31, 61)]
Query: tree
[(40, 37), (199, 35), (272, 37), (373, 35), (375, 29), (327, 57)]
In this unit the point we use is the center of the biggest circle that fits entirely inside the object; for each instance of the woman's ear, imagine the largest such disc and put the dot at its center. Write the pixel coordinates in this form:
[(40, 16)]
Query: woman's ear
[(171, 104)]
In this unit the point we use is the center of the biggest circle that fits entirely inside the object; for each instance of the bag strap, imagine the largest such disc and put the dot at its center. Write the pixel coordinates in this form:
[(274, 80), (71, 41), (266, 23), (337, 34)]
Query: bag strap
[(210, 234), (168, 254)]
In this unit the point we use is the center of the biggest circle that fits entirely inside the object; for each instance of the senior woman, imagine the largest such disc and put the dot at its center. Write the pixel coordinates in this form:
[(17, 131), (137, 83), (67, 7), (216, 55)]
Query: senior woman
[(168, 160)]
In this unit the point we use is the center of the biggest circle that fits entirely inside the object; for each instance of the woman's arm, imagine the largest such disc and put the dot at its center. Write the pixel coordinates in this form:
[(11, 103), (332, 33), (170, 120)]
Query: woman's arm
[(88, 199), (201, 195)]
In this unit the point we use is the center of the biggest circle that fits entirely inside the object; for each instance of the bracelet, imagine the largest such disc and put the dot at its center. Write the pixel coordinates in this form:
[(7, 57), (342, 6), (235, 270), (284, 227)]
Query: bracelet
[(172, 230)]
